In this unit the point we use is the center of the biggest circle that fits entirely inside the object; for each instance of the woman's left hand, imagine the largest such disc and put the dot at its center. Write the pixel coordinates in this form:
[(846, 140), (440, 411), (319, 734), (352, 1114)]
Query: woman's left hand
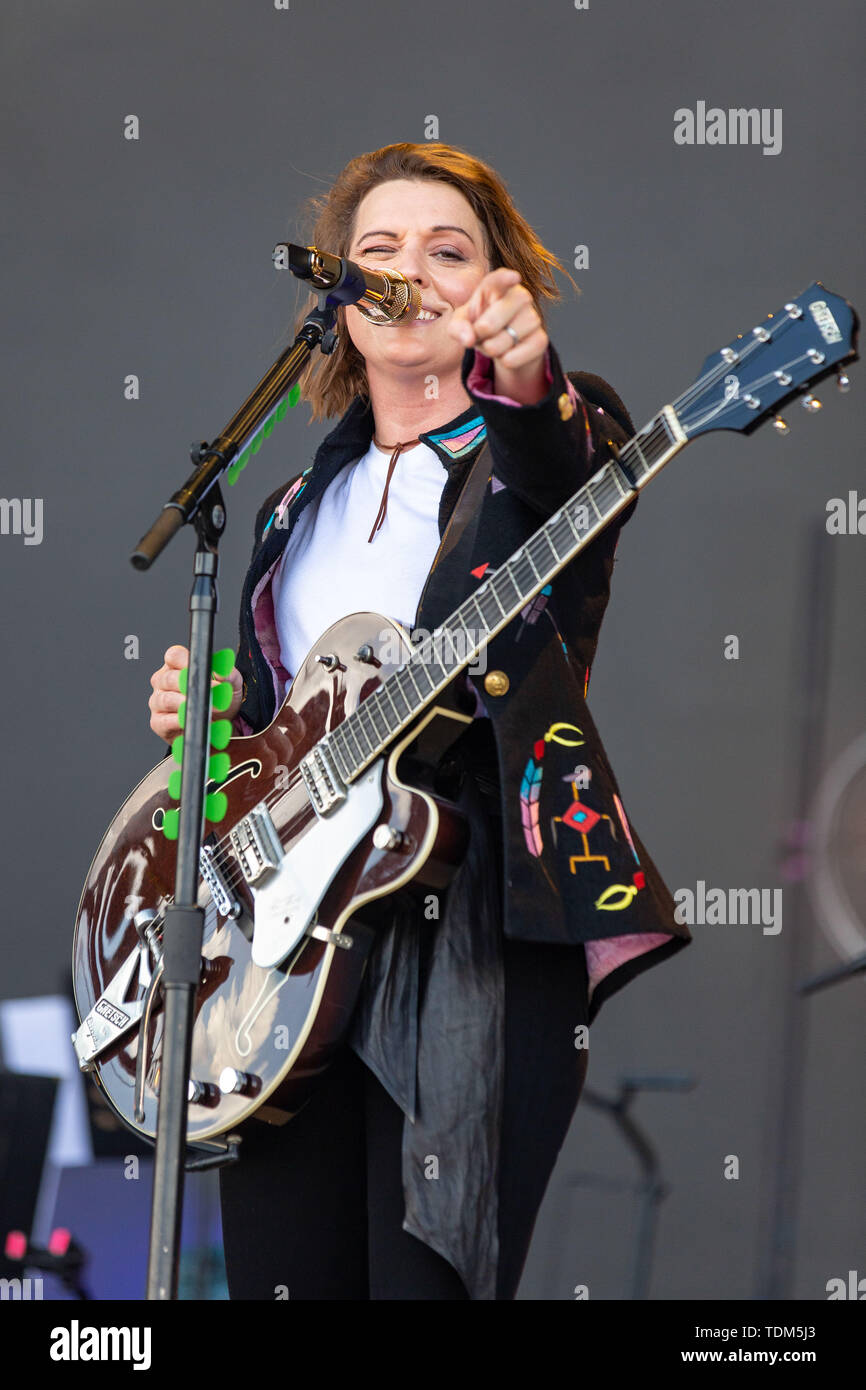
[(502, 301)]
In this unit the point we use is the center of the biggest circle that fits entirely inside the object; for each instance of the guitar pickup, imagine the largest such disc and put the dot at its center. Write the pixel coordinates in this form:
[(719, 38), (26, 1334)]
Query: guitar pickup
[(325, 786), (257, 845)]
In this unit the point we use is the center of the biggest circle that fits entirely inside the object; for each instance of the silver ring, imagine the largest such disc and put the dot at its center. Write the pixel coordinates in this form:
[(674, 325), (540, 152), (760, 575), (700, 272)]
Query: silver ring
[(510, 330)]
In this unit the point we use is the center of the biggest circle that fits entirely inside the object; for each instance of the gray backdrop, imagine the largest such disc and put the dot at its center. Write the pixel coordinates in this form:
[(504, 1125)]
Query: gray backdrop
[(154, 257)]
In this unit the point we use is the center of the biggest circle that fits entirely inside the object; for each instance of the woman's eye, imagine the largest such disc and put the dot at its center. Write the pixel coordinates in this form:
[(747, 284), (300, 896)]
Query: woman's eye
[(444, 251)]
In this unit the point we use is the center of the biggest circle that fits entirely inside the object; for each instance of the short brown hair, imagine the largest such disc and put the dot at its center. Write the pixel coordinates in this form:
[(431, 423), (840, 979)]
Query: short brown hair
[(331, 383)]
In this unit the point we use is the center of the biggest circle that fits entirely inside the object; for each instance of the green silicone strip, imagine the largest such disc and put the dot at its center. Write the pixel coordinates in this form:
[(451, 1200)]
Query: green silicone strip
[(218, 767), (220, 733), (215, 806), (223, 662), (287, 403), (221, 695), (219, 764)]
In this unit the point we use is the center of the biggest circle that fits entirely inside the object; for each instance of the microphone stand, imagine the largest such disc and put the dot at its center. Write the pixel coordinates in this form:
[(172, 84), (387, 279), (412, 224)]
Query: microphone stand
[(857, 966), (199, 503)]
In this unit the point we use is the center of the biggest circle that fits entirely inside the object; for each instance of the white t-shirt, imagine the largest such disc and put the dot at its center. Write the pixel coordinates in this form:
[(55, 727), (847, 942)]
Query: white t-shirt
[(329, 569)]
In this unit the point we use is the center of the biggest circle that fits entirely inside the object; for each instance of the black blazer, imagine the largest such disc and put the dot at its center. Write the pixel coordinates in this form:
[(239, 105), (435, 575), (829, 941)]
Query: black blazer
[(575, 868)]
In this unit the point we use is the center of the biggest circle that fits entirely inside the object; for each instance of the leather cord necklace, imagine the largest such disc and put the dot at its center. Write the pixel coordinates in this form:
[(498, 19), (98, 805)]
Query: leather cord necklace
[(383, 505)]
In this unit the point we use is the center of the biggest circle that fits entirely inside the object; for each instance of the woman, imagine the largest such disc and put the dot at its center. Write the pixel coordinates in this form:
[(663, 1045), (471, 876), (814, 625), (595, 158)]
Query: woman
[(418, 1167)]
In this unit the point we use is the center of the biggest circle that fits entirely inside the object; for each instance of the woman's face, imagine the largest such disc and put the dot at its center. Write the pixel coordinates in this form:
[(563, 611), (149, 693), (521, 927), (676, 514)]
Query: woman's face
[(396, 228)]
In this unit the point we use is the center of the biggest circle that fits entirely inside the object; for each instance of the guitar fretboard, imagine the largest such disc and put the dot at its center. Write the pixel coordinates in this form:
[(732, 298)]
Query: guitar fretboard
[(441, 655)]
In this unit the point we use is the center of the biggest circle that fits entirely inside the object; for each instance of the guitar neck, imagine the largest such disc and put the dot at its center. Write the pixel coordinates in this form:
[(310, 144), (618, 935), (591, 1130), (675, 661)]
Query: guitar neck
[(435, 661)]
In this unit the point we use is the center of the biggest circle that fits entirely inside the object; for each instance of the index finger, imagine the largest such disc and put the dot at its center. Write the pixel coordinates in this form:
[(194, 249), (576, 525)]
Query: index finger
[(492, 287), (176, 658)]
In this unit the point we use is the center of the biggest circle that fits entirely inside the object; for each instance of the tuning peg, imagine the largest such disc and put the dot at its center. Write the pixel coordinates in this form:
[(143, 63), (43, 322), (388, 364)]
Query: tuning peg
[(811, 403), (843, 381), (781, 426)]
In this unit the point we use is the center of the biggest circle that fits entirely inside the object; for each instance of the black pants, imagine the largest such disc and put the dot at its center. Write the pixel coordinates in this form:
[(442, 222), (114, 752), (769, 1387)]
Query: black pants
[(314, 1209)]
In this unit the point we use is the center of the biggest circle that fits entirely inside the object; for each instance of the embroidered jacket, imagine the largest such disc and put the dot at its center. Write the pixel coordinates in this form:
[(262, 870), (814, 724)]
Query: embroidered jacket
[(576, 870)]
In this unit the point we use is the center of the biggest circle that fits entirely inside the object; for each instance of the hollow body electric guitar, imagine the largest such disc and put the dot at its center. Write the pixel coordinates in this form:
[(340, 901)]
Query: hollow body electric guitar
[(322, 825)]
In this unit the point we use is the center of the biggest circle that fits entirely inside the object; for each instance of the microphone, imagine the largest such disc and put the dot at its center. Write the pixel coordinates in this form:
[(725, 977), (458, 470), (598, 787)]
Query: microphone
[(382, 296)]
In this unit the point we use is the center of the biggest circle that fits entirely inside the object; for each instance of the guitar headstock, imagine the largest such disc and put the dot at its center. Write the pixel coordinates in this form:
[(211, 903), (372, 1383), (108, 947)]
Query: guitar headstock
[(781, 358)]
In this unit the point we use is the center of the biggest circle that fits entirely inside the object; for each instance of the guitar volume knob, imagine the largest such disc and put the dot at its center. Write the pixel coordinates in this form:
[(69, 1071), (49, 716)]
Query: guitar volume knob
[(202, 1093), (239, 1083), (387, 837)]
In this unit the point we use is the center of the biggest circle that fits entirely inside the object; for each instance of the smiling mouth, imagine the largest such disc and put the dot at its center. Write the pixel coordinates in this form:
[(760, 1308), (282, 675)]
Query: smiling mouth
[(427, 316)]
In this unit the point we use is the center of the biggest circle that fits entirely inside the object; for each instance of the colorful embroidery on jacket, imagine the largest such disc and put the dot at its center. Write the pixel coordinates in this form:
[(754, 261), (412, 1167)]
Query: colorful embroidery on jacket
[(579, 816), (461, 440), (530, 786), (291, 496)]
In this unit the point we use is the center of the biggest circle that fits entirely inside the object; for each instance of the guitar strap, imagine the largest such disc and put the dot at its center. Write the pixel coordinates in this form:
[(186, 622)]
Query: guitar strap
[(467, 504)]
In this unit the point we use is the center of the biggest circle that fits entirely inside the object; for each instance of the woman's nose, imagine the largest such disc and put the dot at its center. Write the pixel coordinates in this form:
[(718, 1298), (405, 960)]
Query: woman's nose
[(410, 263)]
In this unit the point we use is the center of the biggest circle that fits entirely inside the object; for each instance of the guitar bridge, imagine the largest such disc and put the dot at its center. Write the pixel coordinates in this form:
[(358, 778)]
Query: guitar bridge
[(224, 901)]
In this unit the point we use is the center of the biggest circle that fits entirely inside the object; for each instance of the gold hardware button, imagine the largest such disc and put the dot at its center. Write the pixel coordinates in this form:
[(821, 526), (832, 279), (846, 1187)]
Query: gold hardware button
[(496, 683), (566, 406)]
